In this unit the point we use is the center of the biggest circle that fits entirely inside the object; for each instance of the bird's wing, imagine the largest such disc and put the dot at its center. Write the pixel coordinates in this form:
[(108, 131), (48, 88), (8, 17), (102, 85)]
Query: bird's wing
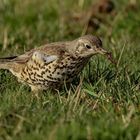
[(37, 56), (47, 53), (17, 62), (41, 57)]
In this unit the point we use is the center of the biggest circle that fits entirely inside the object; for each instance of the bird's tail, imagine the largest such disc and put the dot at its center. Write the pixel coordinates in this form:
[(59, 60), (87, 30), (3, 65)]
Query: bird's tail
[(6, 63)]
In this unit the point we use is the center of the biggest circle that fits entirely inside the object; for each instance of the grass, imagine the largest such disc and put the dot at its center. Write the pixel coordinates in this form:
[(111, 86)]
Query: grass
[(106, 105)]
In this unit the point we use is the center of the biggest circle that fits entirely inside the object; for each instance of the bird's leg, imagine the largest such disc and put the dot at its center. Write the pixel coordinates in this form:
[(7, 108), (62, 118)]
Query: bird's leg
[(35, 92)]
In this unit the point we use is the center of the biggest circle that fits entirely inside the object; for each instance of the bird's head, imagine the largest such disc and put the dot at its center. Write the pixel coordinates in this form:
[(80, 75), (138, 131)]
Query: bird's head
[(89, 45)]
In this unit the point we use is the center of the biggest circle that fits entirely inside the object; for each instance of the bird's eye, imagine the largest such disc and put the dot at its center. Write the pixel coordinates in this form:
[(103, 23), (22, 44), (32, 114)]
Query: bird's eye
[(88, 47)]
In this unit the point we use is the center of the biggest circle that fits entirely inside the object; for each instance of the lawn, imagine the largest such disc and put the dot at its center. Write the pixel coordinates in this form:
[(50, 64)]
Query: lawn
[(105, 105)]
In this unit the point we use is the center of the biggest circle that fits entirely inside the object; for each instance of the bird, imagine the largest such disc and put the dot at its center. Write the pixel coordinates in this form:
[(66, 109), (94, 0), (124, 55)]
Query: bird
[(51, 65)]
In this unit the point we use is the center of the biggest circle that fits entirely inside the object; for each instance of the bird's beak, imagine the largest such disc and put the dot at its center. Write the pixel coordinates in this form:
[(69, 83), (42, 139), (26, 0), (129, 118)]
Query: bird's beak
[(107, 54), (102, 51)]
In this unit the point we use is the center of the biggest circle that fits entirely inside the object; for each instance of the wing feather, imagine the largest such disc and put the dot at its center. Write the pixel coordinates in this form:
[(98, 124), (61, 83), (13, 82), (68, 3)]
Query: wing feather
[(48, 53)]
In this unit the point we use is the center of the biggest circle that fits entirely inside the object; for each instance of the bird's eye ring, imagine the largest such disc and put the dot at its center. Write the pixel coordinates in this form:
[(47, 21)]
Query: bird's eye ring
[(88, 47)]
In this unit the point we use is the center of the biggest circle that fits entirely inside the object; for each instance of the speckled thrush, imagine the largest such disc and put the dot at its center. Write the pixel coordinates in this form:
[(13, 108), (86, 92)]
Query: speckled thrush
[(51, 65)]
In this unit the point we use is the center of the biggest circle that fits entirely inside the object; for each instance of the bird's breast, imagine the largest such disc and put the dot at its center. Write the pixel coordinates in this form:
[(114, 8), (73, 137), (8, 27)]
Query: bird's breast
[(53, 73)]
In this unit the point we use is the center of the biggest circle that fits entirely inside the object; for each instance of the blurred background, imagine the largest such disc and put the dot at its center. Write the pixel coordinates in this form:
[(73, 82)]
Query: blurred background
[(29, 23), (108, 106)]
